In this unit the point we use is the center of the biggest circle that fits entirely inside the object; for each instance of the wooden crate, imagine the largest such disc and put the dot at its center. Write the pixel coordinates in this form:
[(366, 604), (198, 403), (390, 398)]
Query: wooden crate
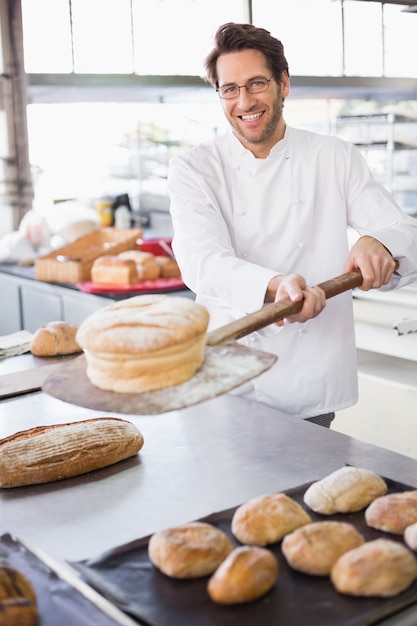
[(72, 263)]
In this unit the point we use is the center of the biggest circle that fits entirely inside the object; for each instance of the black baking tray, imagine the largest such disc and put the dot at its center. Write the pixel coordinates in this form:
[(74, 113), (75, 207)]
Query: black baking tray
[(58, 602), (128, 579)]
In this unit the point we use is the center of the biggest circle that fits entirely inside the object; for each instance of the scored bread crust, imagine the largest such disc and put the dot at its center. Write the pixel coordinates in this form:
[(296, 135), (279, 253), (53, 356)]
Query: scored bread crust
[(268, 518), (345, 490), (189, 551), (381, 567), (47, 453), (144, 343), (314, 548)]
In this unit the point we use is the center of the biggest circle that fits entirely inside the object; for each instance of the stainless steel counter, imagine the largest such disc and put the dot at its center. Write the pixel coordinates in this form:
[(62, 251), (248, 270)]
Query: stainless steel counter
[(194, 462)]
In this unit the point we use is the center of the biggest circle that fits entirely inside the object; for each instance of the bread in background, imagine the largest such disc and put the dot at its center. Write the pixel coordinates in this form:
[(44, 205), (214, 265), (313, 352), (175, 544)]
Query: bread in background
[(110, 269), (55, 339)]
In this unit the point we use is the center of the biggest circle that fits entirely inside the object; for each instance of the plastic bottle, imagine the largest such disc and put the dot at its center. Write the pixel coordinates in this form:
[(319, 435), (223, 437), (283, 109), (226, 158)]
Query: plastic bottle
[(122, 217)]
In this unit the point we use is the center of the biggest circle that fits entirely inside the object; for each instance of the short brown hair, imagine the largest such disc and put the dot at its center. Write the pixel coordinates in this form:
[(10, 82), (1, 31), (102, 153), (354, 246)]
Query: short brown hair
[(233, 37)]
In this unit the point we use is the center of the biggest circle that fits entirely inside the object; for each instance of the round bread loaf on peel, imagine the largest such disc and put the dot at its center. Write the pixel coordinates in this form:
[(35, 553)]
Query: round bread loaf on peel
[(267, 519), (314, 548), (189, 551), (393, 512), (144, 343), (381, 567), (345, 490)]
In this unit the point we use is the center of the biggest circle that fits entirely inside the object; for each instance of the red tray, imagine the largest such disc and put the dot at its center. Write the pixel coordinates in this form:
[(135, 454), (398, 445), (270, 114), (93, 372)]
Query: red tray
[(159, 285)]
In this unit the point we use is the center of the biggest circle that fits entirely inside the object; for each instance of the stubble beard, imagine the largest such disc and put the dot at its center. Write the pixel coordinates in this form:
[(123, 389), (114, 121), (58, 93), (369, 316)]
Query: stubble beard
[(269, 129)]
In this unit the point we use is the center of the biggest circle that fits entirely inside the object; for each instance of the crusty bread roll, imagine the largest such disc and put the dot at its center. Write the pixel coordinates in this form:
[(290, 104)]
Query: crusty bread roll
[(246, 574), (314, 548), (267, 519), (392, 513), (410, 536), (48, 453), (189, 551), (144, 343), (346, 490), (169, 267), (17, 598), (381, 567), (55, 339), (109, 269), (146, 265)]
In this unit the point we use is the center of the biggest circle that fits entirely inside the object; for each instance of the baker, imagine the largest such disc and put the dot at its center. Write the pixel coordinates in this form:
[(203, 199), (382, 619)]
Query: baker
[(261, 214)]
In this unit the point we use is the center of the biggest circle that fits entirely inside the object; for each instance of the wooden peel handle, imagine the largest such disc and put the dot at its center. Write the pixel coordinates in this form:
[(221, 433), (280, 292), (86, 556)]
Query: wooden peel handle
[(276, 311)]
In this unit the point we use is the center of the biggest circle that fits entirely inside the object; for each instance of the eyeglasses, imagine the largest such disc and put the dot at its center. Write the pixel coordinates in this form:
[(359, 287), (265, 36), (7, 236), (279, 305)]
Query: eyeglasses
[(256, 85)]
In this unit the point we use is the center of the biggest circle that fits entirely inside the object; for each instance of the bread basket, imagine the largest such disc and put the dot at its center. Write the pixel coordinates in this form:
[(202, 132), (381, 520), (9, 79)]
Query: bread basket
[(72, 263)]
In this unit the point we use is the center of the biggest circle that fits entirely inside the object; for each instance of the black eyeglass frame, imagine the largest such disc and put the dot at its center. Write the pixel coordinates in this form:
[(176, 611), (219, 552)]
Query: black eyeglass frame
[(268, 82)]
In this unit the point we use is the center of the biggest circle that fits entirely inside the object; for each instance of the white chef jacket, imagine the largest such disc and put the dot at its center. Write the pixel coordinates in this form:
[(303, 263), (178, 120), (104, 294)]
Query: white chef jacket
[(239, 220)]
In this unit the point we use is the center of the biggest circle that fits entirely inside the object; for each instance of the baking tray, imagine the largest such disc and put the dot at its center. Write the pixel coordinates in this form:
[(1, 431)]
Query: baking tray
[(159, 285), (62, 598), (127, 578)]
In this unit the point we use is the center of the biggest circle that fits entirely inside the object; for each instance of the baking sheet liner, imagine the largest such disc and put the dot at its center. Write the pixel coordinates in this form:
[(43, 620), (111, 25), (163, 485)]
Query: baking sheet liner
[(59, 604), (126, 577)]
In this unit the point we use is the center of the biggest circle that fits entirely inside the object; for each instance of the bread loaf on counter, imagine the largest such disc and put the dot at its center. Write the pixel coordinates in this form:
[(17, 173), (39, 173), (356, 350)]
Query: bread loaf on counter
[(111, 270), (346, 490), (246, 574), (17, 598), (48, 453), (146, 265), (169, 267), (55, 339)]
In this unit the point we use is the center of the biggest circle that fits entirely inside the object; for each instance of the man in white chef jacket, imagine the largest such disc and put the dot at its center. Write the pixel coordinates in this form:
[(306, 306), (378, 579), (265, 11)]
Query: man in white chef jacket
[(261, 213)]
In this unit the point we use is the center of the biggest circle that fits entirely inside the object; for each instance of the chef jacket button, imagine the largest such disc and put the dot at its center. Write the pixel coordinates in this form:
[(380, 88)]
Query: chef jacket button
[(301, 245), (245, 255)]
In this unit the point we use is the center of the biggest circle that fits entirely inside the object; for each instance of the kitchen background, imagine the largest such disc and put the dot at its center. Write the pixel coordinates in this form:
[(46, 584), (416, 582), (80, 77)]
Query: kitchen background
[(96, 97)]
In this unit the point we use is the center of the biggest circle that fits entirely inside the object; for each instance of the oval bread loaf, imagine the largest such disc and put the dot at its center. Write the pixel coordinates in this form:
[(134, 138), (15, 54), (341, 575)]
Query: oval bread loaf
[(410, 536), (189, 551), (48, 453), (246, 574), (347, 490), (392, 513), (381, 567), (55, 339), (17, 598), (314, 548), (267, 519)]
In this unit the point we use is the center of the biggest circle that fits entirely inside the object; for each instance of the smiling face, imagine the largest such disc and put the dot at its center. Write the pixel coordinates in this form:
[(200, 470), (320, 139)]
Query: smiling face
[(256, 118)]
